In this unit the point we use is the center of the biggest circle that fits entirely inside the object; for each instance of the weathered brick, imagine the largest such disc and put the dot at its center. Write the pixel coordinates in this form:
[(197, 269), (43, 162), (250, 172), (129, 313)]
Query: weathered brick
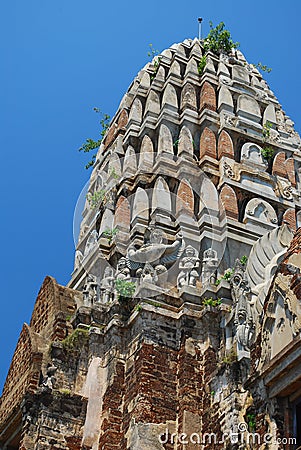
[(208, 97), (208, 143)]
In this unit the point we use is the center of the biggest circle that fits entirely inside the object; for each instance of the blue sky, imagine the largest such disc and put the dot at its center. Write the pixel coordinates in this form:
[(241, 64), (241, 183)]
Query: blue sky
[(60, 58)]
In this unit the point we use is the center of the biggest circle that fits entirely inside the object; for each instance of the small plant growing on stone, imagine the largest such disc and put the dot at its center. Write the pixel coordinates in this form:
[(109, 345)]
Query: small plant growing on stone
[(65, 392), (91, 144), (227, 275), (114, 174), (71, 341), (95, 198), (219, 40), (211, 301), (251, 422), (266, 130), (176, 144), (230, 357), (202, 64), (153, 54), (110, 234), (244, 260), (262, 67), (138, 308), (268, 153), (125, 289)]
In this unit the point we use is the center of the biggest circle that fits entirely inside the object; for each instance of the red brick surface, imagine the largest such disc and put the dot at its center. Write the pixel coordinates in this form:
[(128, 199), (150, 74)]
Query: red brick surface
[(208, 144)]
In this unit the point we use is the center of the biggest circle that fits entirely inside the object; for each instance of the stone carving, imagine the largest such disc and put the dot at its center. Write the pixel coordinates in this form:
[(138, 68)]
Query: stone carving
[(259, 211), (243, 319), (225, 80), (91, 242), (78, 259), (251, 154), (189, 264), (284, 188), (228, 171), (48, 382), (91, 290), (228, 120), (154, 252), (106, 286), (122, 271), (209, 266), (148, 274)]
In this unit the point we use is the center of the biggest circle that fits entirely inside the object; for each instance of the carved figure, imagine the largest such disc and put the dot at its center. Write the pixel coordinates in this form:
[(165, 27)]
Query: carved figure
[(189, 264), (122, 271), (209, 266), (107, 285), (91, 242), (91, 290), (154, 251), (243, 320), (149, 274), (78, 259), (49, 380)]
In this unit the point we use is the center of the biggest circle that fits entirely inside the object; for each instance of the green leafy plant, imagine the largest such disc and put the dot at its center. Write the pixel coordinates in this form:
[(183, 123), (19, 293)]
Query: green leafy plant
[(176, 144), (227, 275), (262, 67), (151, 302), (65, 392), (125, 289), (91, 144), (95, 198), (230, 357), (113, 173), (267, 153), (244, 260), (110, 234), (266, 130), (202, 64), (138, 307), (153, 54), (251, 421), (71, 341), (211, 301), (219, 39)]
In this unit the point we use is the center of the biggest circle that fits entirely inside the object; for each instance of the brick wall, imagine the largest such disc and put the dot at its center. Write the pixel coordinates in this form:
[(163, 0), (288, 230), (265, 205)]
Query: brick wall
[(208, 97), (225, 145), (208, 144), (229, 201)]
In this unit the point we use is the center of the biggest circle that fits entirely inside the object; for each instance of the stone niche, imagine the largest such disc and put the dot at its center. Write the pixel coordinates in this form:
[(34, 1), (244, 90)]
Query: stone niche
[(260, 213), (251, 154), (248, 108)]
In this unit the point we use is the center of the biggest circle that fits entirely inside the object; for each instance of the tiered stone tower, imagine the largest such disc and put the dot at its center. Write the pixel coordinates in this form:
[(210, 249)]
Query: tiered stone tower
[(182, 314)]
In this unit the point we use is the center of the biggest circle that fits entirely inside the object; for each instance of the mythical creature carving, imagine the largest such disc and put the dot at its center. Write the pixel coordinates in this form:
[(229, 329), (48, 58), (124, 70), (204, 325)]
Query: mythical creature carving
[(154, 252)]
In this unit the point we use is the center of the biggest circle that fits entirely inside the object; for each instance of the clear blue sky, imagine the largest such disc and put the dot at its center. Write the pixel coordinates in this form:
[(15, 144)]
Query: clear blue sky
[(60, 58)]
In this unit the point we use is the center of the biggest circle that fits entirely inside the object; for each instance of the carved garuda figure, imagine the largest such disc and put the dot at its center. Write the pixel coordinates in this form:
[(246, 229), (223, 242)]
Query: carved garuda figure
[(154, 252)]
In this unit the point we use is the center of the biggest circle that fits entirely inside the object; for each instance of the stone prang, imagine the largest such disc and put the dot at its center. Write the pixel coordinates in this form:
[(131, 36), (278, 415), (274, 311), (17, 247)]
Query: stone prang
[(180, 326)]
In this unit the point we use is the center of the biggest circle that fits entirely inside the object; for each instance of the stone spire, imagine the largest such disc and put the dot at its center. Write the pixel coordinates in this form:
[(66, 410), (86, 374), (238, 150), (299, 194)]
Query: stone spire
[(163, 317)]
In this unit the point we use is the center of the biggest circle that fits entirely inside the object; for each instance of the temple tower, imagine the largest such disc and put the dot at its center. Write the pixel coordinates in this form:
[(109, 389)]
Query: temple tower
[(190, 210)]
